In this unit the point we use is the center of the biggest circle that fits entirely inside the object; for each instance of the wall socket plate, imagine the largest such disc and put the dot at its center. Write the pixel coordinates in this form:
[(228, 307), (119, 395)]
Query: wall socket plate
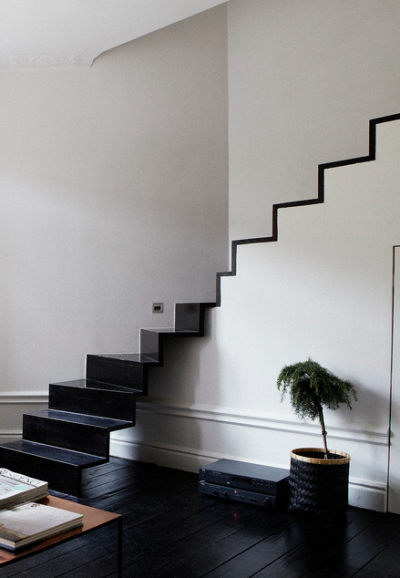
[(158, 308)]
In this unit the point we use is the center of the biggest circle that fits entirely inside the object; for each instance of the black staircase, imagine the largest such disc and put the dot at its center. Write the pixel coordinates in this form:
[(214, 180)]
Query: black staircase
[(74, 432)]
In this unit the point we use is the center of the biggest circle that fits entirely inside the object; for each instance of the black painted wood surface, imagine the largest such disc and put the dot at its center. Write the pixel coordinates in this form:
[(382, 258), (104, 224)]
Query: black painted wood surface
[(170, 531), (93, 398), (82, 413)]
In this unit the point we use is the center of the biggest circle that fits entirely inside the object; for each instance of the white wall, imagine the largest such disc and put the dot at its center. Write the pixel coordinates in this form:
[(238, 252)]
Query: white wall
[(113, 195), (304, 80)]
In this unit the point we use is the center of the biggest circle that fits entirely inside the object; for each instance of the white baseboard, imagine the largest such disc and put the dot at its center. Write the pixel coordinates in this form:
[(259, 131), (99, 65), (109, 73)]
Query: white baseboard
[(178, 458), (362, 494)]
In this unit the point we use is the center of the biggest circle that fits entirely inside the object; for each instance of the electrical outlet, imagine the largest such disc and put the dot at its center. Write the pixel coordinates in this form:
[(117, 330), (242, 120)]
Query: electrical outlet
[(158, 307)]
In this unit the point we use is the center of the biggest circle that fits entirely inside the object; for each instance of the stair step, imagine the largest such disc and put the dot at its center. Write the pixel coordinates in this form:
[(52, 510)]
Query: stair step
[(54, 454), (61, 468), (126, 370), (105, 423), (151, 341), (190, 316), (94, 384), (49, 426), (94, 398), (189, 322)]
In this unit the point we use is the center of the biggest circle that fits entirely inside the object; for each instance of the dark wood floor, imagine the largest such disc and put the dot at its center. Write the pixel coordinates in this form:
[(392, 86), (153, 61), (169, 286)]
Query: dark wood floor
[(172, 532)]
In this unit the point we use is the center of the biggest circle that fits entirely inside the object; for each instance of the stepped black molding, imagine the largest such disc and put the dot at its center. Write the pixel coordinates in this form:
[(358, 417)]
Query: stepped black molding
[(320, 199), (73, 434)]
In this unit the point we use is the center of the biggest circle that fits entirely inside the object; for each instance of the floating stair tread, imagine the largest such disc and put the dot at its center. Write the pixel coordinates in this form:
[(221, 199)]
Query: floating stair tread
[(128, 357), (171, 331), (93, 384), (151, 340), (52, 453), (90, 420), (190, 316)]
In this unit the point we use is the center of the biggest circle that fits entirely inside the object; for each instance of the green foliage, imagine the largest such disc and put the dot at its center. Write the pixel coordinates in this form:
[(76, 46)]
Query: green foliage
[(311, 387)]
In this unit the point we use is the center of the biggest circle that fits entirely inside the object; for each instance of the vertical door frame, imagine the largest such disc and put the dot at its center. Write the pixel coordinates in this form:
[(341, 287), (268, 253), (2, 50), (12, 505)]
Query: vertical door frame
[(393, 501)]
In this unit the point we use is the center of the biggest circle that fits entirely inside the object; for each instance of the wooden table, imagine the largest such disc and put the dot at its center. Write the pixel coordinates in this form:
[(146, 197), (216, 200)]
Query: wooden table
[(93, 519)]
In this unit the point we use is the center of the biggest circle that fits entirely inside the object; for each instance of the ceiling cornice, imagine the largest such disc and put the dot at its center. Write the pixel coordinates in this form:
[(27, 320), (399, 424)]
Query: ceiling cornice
[(70, 33), (47, 60)]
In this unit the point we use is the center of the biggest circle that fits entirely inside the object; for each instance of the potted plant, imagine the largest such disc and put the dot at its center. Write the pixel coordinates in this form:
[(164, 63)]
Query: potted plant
[(318, 481)]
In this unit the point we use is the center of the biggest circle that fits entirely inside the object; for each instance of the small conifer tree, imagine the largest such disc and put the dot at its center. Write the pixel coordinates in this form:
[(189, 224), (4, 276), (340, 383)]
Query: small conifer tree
[(311, 387)]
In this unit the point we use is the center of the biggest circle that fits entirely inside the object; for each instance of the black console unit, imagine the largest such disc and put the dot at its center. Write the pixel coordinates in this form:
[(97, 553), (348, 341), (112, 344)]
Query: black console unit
[(250, 483)]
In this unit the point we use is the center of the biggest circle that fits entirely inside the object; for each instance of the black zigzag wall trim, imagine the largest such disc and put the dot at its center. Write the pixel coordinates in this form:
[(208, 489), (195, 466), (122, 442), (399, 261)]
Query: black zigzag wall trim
[(320, 199)]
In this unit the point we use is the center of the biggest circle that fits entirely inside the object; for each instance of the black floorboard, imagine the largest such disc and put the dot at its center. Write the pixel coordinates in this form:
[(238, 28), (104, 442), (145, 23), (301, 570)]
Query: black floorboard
[(170, 531)]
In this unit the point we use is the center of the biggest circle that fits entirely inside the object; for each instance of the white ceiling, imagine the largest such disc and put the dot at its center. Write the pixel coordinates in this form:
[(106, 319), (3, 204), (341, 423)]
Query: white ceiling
[(43, 33)]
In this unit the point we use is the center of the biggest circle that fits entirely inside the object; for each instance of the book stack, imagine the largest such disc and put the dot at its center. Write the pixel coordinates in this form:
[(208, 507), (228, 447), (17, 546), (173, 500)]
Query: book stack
[(22, 520)]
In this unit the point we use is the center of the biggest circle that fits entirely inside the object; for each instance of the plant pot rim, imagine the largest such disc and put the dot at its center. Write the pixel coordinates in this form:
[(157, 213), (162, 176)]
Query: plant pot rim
[(322, 461)]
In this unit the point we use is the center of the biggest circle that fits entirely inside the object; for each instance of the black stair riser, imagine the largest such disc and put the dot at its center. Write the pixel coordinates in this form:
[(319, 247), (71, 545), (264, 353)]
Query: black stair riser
[(190, 316), (68, 435), (101, 403), (60, 477), (152, 341), (150, 345), (118, 372)]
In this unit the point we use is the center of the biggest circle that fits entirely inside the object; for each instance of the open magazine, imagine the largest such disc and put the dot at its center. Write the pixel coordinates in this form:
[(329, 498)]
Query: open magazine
[(17, 488)]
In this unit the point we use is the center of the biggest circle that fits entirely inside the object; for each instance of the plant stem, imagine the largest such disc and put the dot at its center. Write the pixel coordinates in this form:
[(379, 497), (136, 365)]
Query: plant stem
[(323, 431)]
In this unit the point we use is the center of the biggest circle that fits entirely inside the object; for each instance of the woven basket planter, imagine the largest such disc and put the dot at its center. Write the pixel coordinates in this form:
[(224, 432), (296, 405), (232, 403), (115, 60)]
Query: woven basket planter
[(319, 486)]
